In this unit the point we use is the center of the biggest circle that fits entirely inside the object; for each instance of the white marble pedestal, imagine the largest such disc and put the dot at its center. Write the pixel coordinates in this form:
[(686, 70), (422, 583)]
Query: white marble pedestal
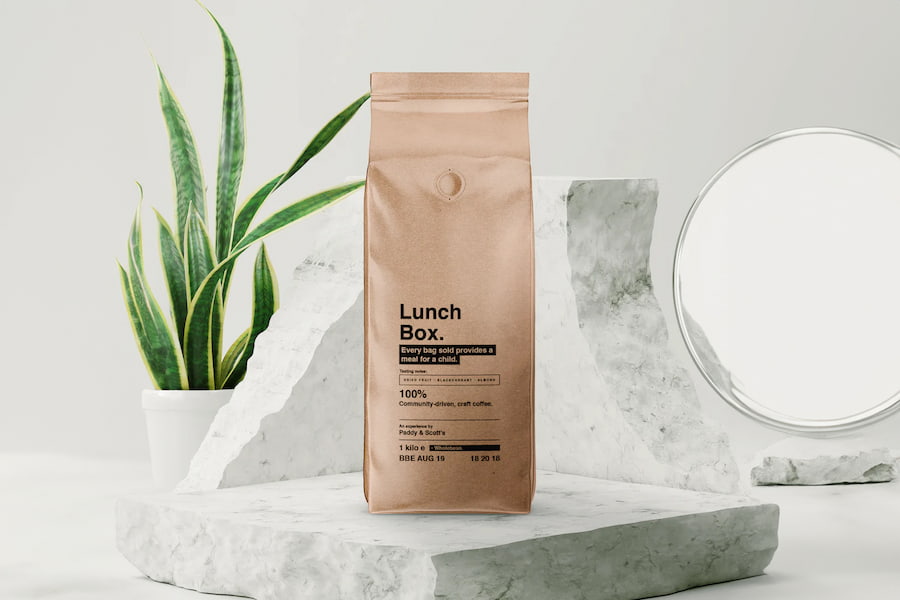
[(313, 538)]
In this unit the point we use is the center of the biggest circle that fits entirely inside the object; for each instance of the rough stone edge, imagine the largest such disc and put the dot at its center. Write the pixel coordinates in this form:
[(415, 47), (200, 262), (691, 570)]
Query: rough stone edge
[(287, 576), (256, 462), (754, 536)]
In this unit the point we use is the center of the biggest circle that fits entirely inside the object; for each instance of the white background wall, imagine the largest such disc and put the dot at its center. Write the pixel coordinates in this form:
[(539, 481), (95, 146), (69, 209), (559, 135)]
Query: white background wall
[(668, 89)]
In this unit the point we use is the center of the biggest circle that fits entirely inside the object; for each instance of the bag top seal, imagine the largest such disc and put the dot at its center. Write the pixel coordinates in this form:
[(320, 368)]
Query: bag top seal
[(509, 86)]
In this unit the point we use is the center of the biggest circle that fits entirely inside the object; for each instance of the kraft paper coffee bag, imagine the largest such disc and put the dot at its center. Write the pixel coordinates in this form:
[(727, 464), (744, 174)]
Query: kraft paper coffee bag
[(449, 295)]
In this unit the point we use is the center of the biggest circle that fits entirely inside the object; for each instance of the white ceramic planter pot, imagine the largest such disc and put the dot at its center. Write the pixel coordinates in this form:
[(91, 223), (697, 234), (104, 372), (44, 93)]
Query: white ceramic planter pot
[(177, 422)]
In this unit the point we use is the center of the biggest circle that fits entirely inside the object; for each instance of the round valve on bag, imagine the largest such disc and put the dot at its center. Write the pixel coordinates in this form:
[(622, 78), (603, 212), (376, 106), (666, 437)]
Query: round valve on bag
[(450, 184)]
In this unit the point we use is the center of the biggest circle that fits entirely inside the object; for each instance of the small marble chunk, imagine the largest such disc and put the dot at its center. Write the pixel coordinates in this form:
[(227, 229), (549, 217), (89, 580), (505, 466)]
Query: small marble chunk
[(314, 539), (864, 466), (823, 461)]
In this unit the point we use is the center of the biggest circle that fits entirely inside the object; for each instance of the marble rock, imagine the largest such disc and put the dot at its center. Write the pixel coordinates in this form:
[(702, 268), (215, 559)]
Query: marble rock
[(611, 401), (800, 461), (610, 227), (313, 538)]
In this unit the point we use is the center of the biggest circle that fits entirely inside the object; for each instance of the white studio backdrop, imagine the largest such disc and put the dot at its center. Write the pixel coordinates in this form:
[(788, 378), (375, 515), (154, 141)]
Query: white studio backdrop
[(665, 89)]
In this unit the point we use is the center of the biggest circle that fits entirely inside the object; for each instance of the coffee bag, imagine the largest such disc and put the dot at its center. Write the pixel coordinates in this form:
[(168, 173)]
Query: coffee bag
[(449, 295)]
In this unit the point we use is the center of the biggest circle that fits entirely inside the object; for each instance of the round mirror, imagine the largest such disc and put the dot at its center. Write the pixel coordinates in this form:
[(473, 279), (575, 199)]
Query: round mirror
[(787, 280)]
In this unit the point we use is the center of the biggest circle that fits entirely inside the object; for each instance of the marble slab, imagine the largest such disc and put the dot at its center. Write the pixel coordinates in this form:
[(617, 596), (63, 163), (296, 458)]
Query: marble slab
[(610, 399), (314, 539)]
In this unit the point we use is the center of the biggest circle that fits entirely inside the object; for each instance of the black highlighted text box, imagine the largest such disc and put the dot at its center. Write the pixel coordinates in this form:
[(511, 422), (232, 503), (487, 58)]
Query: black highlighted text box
[(463, 447), (442, 354)]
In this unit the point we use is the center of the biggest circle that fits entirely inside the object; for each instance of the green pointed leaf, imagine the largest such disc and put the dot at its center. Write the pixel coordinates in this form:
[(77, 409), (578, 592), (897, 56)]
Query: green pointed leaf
[(135, 243), (146, 349), (231, 147), (249, 209), (156, 342), (265, 303), (198, 328), (244, 217), (137, 327), (201, 351), (217, 322), (325, 135), (265, 293), (198, 251), (174, 271), (298, 210), (189, 190), (198, 346), (231, 358)]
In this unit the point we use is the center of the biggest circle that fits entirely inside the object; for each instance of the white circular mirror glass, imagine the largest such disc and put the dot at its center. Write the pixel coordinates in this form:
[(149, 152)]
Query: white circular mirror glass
[(787, 280)]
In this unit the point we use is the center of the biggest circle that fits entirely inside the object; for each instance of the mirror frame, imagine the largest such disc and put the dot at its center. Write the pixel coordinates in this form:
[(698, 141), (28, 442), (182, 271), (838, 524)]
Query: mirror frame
[(743, 404)]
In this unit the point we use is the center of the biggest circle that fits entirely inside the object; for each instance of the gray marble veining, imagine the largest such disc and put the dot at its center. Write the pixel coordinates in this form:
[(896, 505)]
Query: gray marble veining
[(610, 228)]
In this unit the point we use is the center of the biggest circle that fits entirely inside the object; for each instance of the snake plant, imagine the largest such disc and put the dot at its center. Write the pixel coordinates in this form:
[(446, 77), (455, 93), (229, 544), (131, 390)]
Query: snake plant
[(183, 350)]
